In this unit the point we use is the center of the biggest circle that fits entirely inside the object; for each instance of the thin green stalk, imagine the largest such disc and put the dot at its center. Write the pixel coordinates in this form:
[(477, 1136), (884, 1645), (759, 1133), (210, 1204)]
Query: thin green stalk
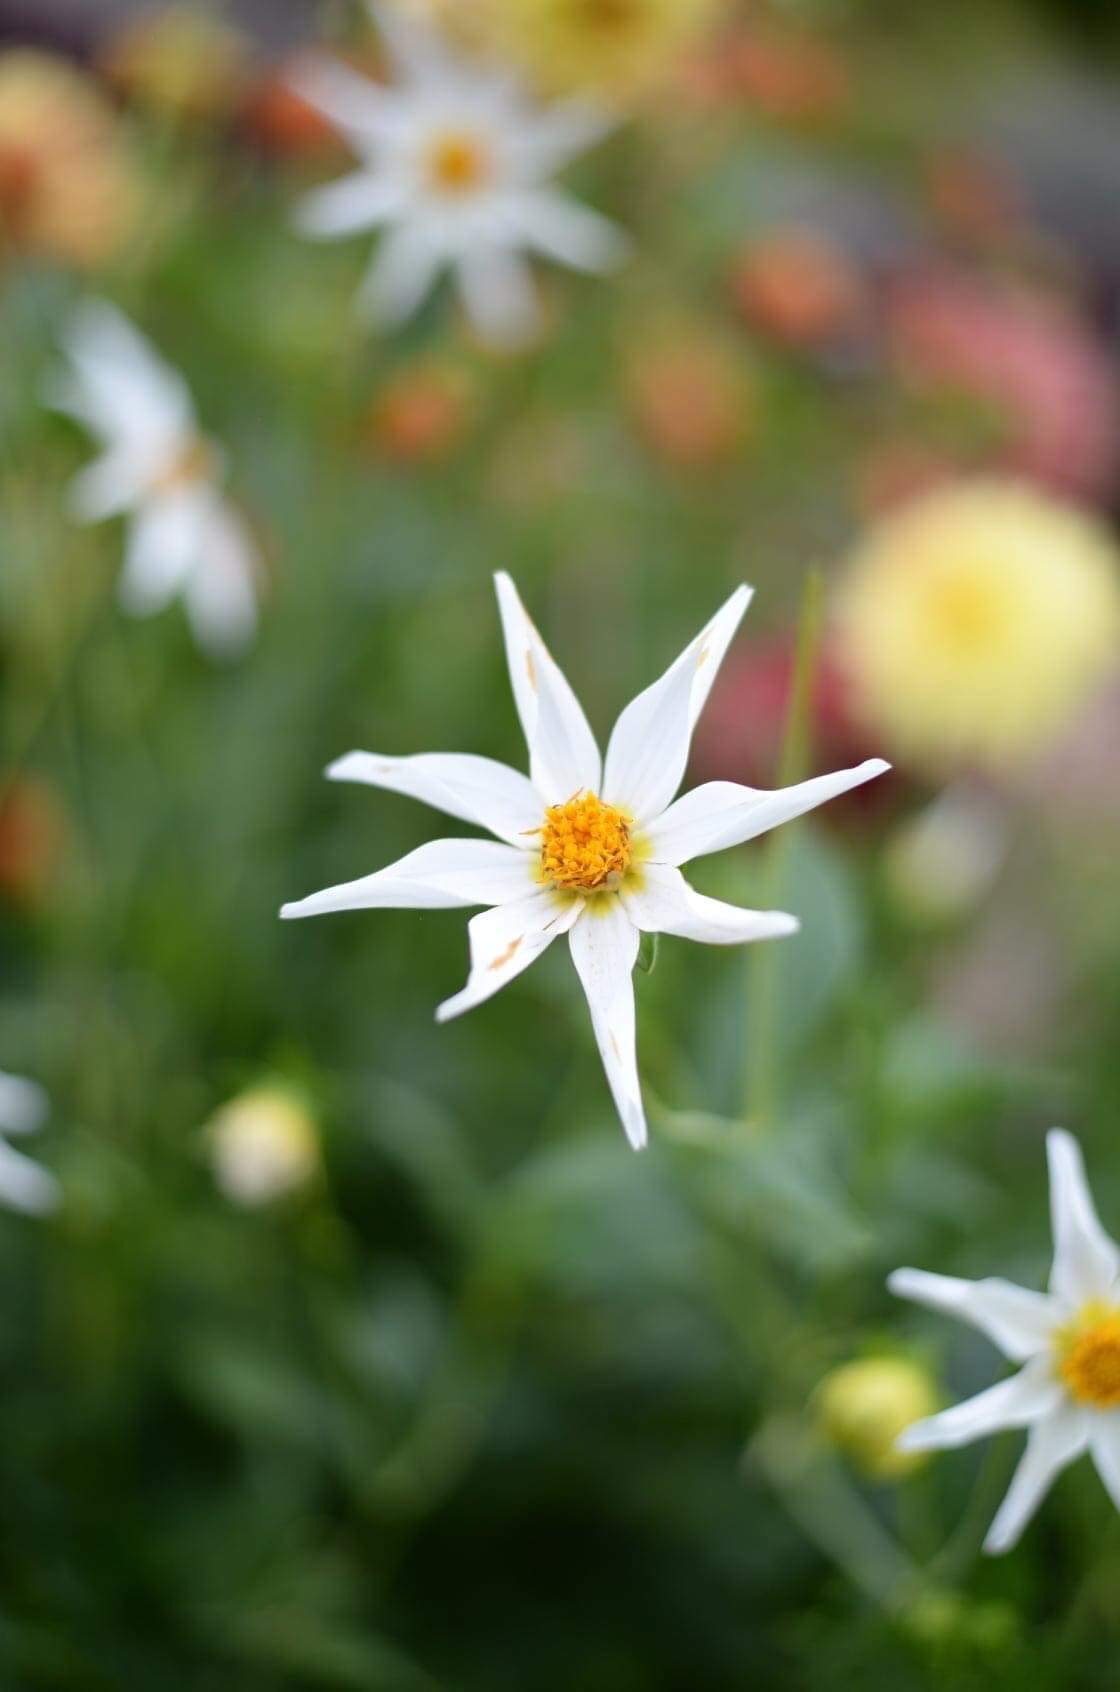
[(761, 1085)]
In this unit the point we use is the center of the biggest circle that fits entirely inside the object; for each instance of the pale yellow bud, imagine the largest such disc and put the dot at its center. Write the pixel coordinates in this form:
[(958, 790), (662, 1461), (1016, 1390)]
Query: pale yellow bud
[(862, 1408), (263, 1144)]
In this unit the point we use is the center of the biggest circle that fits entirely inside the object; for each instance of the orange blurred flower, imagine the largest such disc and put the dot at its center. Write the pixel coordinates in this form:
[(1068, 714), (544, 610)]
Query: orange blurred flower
[(691, 403), (282, 122), (792, 77), (799, 288), (67, 191), (421, 413), (32, 836)]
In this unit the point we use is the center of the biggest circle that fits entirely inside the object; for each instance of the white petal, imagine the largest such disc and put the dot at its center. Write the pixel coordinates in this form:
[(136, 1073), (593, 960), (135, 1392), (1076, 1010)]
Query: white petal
[(1053, 1443), (406, 265), (604, 945), (24, 1185), (479, 790), (568, 233), (721, 813), (498, 294), (108, 486), (1014, 1403), (221, 590), (505, 941), (1021, 1323), (123, 388), (556, 134), (440, 875), (1104, 1441), (161, 549), (1086, 1260), (563, 756), (659, 900), (357, 202), (365, 112), (23, 1105), (418, 53), (648, 749)]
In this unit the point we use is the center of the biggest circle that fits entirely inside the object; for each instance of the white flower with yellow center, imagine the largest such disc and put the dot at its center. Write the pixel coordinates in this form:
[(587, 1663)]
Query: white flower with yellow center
[(454, 166), (23, 1185), (1068, 1341), (590, 847), (156, 468)]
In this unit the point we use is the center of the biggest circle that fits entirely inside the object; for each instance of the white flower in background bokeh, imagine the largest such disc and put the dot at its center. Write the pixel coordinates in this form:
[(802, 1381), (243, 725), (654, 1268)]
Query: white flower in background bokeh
[(183, 538), (455, 162), (591, 847), (1068, 1340), (263, 1145), (23, 1184)]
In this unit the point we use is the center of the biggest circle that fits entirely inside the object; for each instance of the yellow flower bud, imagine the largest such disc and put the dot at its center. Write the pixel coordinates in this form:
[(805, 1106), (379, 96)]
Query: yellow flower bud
[(263, 1144), (862, 1408)]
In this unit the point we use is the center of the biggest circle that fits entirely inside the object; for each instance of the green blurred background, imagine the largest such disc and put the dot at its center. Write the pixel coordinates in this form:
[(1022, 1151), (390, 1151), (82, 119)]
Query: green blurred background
[(477, 1398)]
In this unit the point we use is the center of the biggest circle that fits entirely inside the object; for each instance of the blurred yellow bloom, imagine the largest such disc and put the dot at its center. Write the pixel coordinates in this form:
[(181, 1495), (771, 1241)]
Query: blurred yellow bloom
[(181, 59), (975, 621), (614, 48), (66, 189), (263, 1144), (863, 1407)]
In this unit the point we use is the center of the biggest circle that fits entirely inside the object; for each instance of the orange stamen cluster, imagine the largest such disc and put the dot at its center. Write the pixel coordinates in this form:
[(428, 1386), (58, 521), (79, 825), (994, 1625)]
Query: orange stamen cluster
[(458, 164), (585, 844), (1090, 1359)]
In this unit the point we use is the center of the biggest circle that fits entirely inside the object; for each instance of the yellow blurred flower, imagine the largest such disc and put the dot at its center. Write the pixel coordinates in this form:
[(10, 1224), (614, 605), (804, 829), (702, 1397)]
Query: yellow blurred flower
[(862, 1407), (181, 59), (975, 621), (613, 48), (67, 191), (263, 1144)]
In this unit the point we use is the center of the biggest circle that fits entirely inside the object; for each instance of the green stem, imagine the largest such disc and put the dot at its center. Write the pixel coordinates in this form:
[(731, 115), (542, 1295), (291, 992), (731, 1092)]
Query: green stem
[(761, 1087)]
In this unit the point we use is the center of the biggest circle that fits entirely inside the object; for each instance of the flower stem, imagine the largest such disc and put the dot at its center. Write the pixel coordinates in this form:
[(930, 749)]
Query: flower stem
[(761, 1089)]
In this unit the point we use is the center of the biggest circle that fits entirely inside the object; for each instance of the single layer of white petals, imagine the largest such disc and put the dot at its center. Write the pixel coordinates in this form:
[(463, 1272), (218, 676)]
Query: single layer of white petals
[(604, 945), (721, 814), (1019, 1322), (660, 901), (649, 745), (563, 756), (479, 790), (440, 875), (354, 204), (1104, 1442), (23, 1105), (24, 1185), (1014, 1403), (1054, 1442), (506, 940), (1086, 1260)]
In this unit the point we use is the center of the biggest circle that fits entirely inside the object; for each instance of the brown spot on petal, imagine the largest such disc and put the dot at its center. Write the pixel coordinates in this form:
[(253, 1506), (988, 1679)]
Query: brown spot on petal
[(702, 657), (531, 671), (504, 957)]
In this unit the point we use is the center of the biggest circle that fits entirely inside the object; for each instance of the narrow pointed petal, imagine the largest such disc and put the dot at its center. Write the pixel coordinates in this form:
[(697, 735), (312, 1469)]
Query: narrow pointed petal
[(649, 747), (563, 756), (440, 875), (505, 941), (1015, 1403), (557, 133), (108, 486), (604, 945), (407, 264), (568, 233), (123, 388), (722, 813), (24, 1185), (366, 113), (221, 591), (498, 294), (479, 790), (417, 52), (1104, 1439), (162, 549), (23, 1105), (1086, 1260), (1021, 1323), (357, 202), (660, 901), (1053, 1444)]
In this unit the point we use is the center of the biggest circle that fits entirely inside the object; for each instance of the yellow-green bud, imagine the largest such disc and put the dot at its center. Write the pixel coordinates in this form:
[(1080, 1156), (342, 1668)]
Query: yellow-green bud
[(263, 1144), (863, 1407)]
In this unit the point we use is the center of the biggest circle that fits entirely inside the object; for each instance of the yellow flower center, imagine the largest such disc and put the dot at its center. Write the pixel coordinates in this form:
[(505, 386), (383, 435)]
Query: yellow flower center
[(194, 463), (458, 164), (966, 612), (585, 844), (1090, 1357)]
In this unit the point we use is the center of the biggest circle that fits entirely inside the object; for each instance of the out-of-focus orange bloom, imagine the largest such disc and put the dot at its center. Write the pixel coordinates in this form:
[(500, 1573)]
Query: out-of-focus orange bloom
[(181, 59), (799, 288), (32, 836), (691, 403), (1034, 362), (421, 413), (277, 119), (67, 191), (972, 196)]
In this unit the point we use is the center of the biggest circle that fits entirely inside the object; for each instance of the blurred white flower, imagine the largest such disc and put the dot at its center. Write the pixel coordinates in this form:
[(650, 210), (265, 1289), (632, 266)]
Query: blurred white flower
[(263, 1144), (454, 165), (591, 848), (1068, 1341), (183, 536), (23, 1184)]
